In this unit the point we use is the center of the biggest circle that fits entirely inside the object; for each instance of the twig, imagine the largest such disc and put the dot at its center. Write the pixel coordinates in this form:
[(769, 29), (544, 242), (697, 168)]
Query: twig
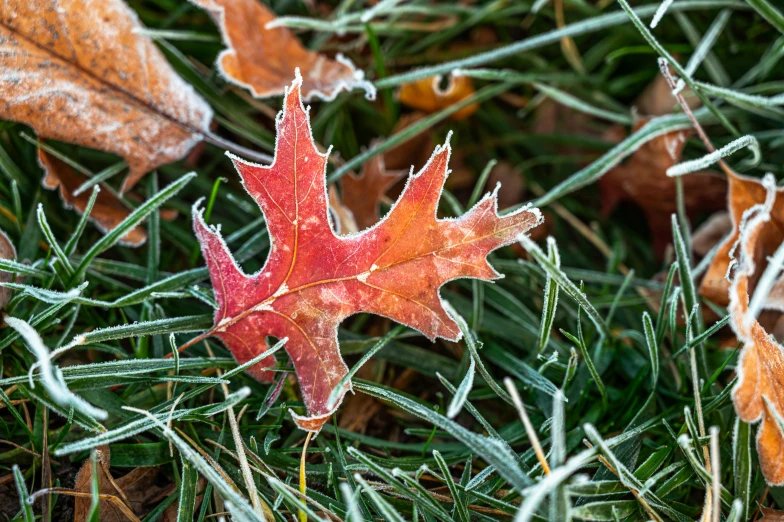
[(529, 428), (303, 486)]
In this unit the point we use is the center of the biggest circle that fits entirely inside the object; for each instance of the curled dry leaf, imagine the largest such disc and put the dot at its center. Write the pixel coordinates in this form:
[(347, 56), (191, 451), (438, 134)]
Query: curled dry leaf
[(427, 95), (744, 193), (363, 193), (643, 179), (80, 71), (550, 117), (657, 98), (314, 279), (263, 58), (759, 392), (135, 492), (108, 211), (7, 251)]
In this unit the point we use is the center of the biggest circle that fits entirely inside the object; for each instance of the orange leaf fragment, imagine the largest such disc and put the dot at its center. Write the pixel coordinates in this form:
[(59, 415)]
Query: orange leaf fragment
[(427, 95), (262, 59), (363, 193), (744, 193), (80, 71), (759, 392), (313, 279), (108, 211)]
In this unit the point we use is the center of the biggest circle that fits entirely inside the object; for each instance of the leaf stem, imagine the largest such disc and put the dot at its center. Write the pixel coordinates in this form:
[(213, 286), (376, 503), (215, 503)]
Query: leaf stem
[(303, 486), (190, 343)]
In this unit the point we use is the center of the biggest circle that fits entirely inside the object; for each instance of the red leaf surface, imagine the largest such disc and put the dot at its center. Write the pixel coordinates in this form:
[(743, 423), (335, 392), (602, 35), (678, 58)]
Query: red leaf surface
[(314, 279)]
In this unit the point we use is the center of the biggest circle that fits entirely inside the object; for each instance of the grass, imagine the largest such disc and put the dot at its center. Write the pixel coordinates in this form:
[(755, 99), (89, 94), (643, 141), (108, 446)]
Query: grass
[(626, 397)]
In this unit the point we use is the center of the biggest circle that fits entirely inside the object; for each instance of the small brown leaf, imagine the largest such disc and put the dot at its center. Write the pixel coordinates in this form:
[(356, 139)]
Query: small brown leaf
[(657, 98), (415, 151), (759, 392), (7, 251), (771, 515), (427, 95), (80, 71), (643, 179), (363, 193), (136, 491), (108, 211), (344, 222), (262, 59), (711, 232), (512, 184)]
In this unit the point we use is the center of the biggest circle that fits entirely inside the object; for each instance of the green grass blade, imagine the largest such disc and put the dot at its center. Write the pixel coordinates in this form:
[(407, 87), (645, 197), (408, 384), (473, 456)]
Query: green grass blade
[(136, 217), (21, 492), (70, 246), (550, 303), (742, 443), (565, 284), (492, 451), (769, 13), (591, 25)]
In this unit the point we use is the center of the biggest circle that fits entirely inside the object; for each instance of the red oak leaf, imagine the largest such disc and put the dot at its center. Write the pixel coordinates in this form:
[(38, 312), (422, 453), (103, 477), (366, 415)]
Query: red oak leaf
[(314, 279)]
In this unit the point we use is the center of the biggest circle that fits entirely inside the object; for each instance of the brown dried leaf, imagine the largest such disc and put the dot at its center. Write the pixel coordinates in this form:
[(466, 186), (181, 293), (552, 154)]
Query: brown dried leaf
[(80, 71), (136, 490), (7, 251), (108, 211), (512, 183), (553, 118), (759, 392), (657, 98), (708, 234), (415, 151), (363, 193), (427, 95), (643, 180), (771, 515), (262, 59), (344, 222)]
